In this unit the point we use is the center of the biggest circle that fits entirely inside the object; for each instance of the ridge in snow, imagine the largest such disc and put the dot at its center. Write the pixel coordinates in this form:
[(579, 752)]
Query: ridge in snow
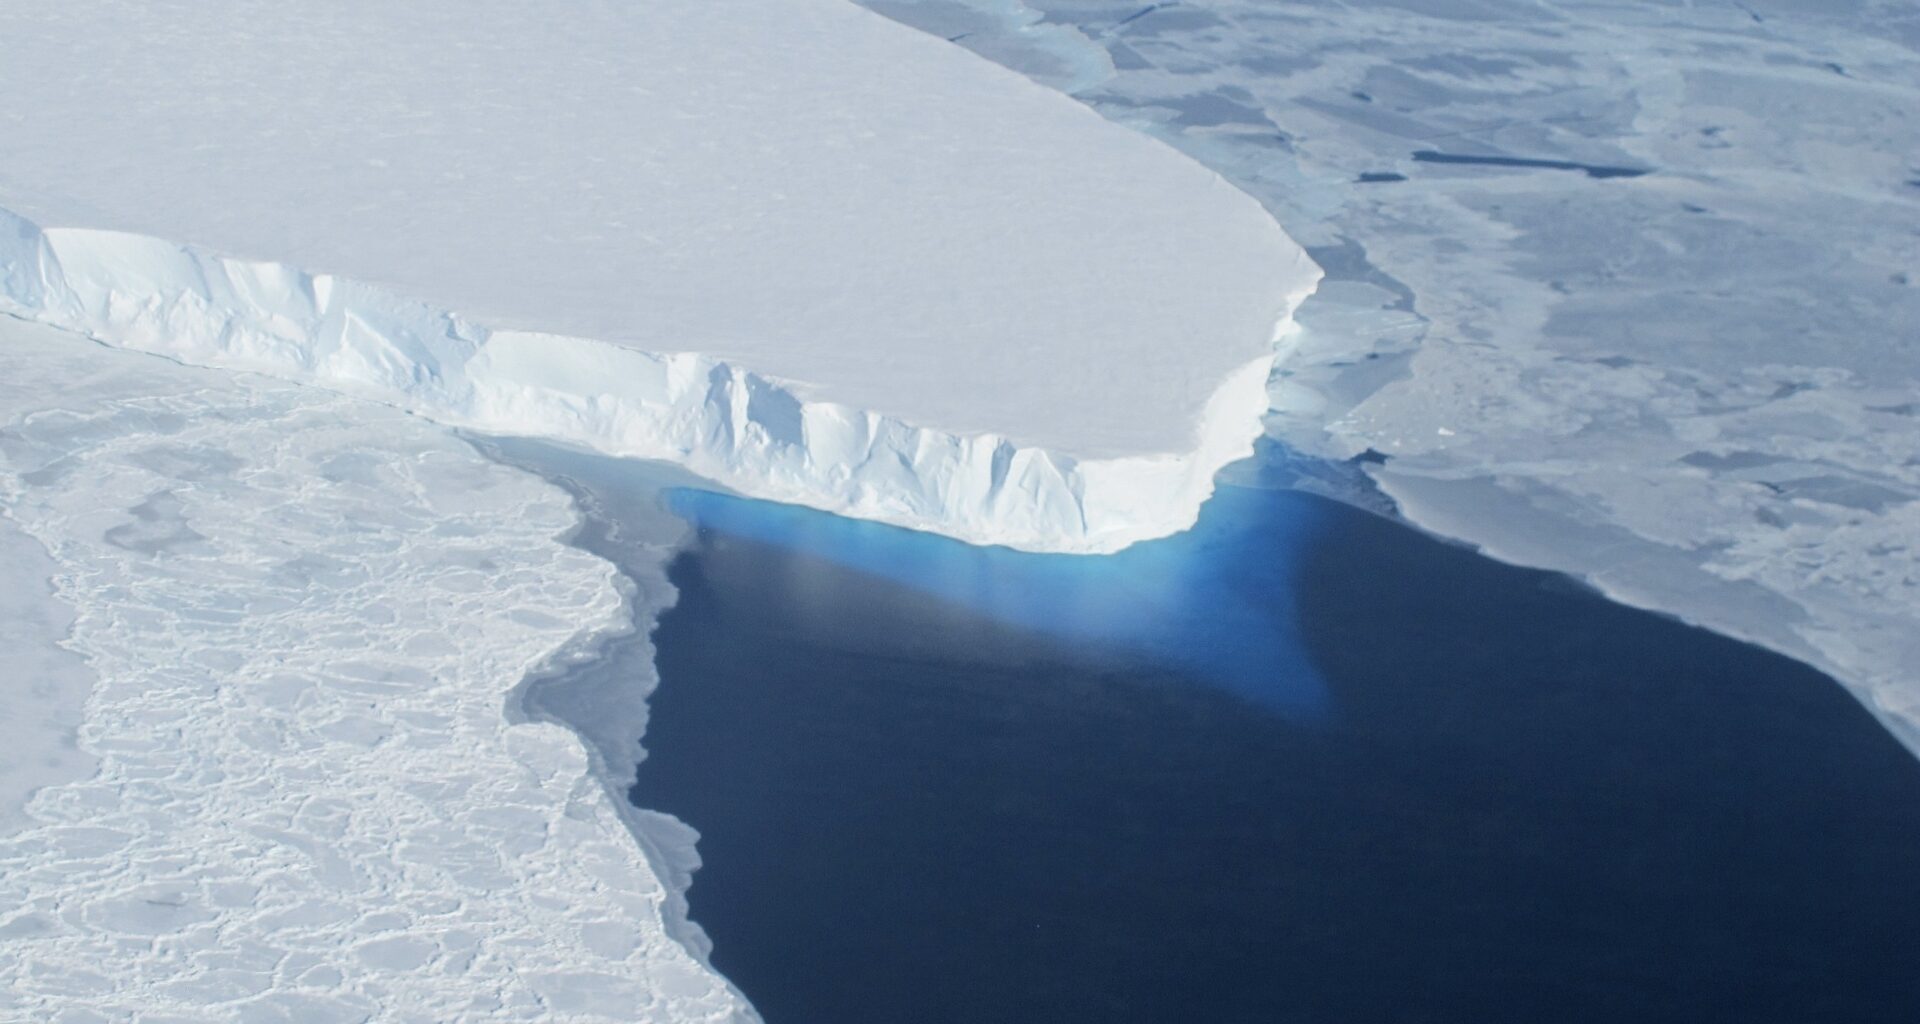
[(901, 283)]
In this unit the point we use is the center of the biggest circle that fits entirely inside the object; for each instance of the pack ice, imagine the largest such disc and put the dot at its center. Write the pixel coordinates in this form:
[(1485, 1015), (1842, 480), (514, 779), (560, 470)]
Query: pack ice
[(806, 252), (301, 615)]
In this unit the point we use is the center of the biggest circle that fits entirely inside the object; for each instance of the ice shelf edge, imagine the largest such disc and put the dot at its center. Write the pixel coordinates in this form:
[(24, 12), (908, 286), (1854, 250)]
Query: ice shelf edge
[(749, 432)]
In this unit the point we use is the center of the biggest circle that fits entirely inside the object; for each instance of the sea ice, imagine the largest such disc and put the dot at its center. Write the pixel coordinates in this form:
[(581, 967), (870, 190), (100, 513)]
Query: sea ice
[(1694, 386), (45, 685), (305, 614), (801, 249)]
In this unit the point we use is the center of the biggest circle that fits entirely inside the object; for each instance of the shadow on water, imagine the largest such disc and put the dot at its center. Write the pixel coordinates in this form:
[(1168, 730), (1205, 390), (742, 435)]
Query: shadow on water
[(1303, 765)]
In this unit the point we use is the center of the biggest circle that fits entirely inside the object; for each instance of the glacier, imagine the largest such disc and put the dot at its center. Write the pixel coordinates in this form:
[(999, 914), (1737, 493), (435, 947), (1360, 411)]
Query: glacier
[(957, 302)]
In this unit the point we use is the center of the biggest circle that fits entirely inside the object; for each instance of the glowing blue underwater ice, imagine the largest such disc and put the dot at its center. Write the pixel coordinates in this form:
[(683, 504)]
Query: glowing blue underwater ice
[(1214, 605)]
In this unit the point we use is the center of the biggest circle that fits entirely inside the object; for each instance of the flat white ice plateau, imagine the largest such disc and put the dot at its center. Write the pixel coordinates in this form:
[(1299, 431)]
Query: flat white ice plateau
[(804, 250)]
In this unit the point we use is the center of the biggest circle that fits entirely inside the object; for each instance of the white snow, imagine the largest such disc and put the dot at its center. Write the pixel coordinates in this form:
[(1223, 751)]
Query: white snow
[(305, 614), (806, 251)]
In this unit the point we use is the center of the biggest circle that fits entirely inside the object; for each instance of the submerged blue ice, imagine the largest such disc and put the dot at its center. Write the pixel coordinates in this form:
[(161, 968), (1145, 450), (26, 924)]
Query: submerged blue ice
[(1213, 605)]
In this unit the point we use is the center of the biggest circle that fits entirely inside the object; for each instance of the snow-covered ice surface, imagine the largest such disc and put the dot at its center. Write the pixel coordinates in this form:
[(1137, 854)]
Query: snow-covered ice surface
[(1668, 339), (305, 614), (801, 249)]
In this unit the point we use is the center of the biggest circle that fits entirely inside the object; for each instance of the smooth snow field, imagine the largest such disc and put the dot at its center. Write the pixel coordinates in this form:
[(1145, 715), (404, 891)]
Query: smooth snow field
[(1309, 765), (799, 248), (1628, 290), (303, 616)]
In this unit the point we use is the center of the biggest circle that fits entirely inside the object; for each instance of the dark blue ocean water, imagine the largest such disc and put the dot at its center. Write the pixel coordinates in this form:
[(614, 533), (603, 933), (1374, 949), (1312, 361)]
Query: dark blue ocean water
[(1301, 764)]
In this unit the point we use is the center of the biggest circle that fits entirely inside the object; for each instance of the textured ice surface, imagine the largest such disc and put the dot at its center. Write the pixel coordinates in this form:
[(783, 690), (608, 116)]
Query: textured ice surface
[(43, 684), (1695, 386), (305, 614), (906, 284)]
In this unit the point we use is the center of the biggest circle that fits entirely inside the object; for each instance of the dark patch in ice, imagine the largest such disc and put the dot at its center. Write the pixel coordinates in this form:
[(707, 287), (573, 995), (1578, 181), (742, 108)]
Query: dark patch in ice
[(1279, 468), (1432, 156), (1370, 457), (1357, 380), (1845, 492), (1135, 16), (777, 412), (51, 473), (1212, 109), (186, 463), (1278, 65), (1361, 96), (1731, 461), (1169, 17), (1126, 58), (1347, 261), (352, 467), (27, 926), (159, 525), (1376, 177), (1464, 10), (314, 570), (1461, 65), (1371, 118)]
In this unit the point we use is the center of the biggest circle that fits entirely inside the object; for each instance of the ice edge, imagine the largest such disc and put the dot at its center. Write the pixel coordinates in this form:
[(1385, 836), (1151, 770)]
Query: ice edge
[(755, 434), (668, 844)]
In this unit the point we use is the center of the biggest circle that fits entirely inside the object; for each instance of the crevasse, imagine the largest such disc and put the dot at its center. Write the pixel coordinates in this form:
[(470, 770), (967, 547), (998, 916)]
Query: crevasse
[(749, 432)]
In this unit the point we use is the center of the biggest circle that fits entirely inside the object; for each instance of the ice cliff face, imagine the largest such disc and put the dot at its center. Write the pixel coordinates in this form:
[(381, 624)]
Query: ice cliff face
[(923, 288), (761, 436)]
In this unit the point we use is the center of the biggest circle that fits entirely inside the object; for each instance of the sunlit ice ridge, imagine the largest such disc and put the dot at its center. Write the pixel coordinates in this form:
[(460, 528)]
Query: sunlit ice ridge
[(1213, 606), (691, 231)]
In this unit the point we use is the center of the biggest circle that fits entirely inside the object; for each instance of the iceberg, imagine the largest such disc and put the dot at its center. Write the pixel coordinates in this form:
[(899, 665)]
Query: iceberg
[(808, 253)]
